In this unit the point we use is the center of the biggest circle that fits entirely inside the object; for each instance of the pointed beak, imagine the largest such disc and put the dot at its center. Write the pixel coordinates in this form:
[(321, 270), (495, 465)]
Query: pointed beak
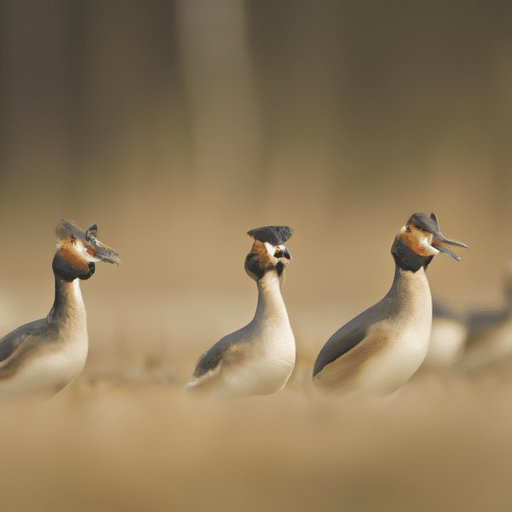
[(104, 252), (441, 243)]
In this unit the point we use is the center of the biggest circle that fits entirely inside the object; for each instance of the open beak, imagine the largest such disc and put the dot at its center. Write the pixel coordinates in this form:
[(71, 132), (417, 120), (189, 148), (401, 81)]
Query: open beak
[(97, 249), (441, 243), (104, 252)]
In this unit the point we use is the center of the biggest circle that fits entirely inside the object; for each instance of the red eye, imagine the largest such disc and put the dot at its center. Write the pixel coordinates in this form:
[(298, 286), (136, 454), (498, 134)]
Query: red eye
[(278, 253)]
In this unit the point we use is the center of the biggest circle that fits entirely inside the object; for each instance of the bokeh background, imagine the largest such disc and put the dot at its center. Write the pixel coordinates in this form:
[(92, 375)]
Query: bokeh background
[(177, 127)]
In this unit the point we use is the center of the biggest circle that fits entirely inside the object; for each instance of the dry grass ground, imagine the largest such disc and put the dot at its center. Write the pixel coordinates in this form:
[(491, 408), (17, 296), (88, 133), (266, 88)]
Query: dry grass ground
[(110, 443)]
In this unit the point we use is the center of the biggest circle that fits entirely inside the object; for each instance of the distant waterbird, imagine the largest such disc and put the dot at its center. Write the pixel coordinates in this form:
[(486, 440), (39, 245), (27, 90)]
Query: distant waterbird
[(447, 336), (259, 358), (44, 356), (489, 338), (380, 349)]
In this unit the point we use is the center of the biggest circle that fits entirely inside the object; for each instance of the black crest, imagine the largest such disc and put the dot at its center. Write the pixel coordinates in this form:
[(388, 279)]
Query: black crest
[(92, 232), (88, 236), (424, 222), (274, 235)]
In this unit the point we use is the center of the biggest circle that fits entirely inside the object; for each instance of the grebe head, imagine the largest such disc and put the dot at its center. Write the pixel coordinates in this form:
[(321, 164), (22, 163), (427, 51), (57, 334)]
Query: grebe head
[(268, 254), (78, 251), (419, 241)]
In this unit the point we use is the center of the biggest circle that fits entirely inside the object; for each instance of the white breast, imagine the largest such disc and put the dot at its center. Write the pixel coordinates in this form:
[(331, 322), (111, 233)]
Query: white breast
[(267, 344), (408, 334), (393, 348), (267, 365), (399, 359), (48, 373), (52, 366)]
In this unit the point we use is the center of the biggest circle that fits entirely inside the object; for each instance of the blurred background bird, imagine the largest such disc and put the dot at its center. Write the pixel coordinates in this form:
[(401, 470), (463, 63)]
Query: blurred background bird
[(447, 337), (489, 339)]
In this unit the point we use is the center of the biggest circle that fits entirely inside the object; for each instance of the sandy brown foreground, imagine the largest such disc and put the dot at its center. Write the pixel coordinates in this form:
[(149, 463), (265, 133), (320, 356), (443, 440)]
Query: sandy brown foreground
[(444, 444)]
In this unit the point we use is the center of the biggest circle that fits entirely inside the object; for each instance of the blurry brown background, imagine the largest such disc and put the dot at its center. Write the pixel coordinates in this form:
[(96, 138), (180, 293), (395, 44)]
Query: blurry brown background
[(179, 126)]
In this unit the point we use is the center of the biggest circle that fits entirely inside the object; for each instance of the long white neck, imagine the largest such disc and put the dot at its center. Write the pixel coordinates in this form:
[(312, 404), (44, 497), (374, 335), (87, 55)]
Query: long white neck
[(410, 292), (271, 308), (68, 308)]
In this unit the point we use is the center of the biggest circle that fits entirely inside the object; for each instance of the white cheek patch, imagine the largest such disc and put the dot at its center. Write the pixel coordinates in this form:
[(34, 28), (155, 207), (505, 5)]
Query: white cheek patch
[(270, 250), (419, 241), (427, 248)]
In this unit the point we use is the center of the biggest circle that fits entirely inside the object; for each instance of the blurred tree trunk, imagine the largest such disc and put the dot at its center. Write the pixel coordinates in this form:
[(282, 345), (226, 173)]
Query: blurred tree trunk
[(225, 116), (34, 140)]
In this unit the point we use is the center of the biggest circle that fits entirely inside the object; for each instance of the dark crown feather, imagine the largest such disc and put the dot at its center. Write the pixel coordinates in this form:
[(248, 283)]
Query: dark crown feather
[(274, 235)]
